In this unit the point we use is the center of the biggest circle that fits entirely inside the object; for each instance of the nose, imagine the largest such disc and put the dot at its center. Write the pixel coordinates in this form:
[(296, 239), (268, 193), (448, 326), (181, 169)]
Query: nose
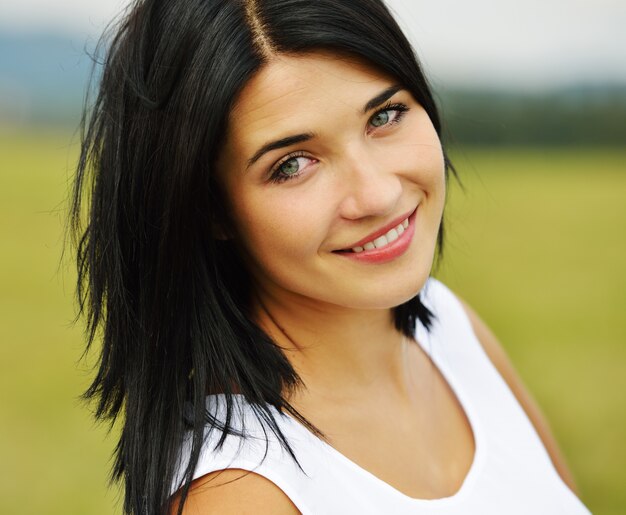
[(368, 184)]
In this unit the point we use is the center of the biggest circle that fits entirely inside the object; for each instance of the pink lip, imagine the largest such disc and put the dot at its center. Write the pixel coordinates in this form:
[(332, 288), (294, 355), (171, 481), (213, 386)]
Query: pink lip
[(389, 252), (380, 232)]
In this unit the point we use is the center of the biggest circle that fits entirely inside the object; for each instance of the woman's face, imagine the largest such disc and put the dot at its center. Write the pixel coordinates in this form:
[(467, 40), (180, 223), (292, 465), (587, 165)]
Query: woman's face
[(315, 161)]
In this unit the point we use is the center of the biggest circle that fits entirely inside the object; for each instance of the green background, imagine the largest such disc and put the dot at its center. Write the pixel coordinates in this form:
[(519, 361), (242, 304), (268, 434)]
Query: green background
[(536, 243)]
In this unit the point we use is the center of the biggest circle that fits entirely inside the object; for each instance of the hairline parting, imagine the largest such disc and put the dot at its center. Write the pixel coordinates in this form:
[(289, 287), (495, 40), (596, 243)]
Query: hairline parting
[(259, 35)]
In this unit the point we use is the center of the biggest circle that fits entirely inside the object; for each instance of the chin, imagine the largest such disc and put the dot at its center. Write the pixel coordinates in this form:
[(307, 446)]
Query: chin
[(388, 295)]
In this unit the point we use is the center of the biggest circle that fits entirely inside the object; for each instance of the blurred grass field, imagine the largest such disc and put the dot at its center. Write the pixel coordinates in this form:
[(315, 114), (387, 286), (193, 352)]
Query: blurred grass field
[(537, 244)]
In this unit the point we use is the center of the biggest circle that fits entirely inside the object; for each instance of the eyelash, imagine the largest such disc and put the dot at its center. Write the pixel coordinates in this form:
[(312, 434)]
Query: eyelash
[(276, 177)]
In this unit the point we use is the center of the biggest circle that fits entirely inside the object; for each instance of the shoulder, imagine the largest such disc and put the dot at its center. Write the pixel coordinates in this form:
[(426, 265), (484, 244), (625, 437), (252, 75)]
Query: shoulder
[(248, 473), (235, 491), (498, 356), (441, 293)]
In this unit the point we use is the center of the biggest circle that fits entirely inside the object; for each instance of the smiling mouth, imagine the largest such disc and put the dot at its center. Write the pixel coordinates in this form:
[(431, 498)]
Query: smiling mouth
[(382, 241)]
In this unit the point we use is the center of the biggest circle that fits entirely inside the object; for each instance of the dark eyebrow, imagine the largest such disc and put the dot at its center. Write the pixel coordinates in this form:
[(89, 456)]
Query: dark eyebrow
[(306, 136), (280, 143), (381, 97)]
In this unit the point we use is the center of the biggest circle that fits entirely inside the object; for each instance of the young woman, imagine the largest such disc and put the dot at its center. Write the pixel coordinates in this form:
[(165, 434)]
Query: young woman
[(266, 186)]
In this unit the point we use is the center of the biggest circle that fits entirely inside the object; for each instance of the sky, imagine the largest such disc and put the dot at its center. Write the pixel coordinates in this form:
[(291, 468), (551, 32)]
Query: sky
[(530, 43)]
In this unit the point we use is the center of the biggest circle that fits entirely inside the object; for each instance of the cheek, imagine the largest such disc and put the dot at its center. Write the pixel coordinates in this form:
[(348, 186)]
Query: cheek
[(422, 154), (276, 229), (426, 173)]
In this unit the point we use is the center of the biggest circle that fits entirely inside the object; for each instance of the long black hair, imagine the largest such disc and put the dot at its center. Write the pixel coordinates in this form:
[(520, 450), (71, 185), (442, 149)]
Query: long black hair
[(169, 301)]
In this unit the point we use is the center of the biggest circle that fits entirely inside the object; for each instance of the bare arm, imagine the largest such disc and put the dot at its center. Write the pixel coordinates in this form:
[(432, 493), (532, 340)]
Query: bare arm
[(498, 356), (235, 492)]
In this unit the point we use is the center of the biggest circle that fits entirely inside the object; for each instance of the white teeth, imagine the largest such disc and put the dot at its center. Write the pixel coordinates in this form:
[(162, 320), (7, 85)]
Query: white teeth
[(381, 241), (386, 239), (392, 235)]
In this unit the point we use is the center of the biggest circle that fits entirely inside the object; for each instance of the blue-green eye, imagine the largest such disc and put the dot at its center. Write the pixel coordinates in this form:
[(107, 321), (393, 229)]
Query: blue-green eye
[(289, 167), (382, 116)]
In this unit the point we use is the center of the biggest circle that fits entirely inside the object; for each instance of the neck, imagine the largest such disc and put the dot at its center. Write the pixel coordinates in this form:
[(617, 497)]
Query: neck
[(339, 353)]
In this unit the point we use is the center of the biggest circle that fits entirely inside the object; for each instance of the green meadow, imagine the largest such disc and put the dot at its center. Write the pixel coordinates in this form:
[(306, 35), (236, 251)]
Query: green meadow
[(536, 242)]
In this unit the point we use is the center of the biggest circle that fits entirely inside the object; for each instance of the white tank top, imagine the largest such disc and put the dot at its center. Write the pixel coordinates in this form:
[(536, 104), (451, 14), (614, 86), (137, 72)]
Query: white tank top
[(511, 472)]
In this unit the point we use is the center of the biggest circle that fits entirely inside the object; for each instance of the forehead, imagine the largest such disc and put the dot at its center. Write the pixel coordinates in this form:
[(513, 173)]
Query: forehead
[(294, 93)]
